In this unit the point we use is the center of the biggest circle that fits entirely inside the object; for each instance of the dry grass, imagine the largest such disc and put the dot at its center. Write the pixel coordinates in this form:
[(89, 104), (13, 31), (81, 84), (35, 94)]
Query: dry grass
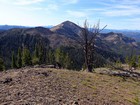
[(51, 86)]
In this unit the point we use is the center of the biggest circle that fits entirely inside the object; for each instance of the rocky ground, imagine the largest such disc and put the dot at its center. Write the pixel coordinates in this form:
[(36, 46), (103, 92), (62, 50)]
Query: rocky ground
[(44, 86)]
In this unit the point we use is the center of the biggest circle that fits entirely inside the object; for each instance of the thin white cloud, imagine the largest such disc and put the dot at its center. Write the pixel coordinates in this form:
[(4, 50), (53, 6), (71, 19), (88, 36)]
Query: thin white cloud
[(27, 2), (32, 8), (49, 8), (27, 5), (121, 12), (94, 9), (134, 20), (78, 14), (115, 8), (52, 7), (7, 1), (128, 2), (69, 1)]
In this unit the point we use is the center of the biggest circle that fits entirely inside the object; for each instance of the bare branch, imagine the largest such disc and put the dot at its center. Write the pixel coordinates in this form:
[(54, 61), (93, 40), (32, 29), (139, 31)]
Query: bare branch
[(87, 41), (103, 28)]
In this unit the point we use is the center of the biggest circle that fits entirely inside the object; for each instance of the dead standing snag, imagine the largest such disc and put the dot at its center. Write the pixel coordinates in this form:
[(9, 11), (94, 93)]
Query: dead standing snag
[(86, 40)]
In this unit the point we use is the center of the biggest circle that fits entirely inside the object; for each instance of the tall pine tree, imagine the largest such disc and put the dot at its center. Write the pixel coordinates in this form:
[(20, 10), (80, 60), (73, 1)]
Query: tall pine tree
[(19, 58), (42, 53), (13, 65), (67, 61), (58, 55), (26, 57), (127, 60), (2, 67), (35, 58), (50, 57), (133, 62), (36, 51), (139, 62), (63, 58)]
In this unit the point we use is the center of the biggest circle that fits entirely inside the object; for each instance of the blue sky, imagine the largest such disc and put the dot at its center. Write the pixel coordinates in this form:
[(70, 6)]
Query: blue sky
[(117, 14)]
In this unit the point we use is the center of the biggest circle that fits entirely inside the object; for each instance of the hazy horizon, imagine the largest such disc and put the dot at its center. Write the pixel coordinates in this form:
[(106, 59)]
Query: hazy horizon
[(60, 23), (117, 14)]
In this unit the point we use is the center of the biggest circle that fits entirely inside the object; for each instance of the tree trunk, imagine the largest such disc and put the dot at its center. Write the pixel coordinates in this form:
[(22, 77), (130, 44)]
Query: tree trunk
[(88, 57)]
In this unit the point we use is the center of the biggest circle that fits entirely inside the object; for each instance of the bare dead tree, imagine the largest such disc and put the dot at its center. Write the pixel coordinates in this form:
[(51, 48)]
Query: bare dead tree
[(87, 41)]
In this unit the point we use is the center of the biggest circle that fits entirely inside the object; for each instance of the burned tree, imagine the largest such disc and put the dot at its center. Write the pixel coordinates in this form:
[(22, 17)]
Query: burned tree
[(87, 40)]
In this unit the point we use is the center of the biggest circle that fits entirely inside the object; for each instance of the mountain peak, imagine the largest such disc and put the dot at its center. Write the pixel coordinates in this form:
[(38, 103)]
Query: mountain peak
[(69, 23), (67, 28)]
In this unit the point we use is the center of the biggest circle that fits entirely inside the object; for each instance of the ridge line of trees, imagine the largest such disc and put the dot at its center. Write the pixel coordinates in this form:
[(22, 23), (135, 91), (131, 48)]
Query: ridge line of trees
[(41, 55)]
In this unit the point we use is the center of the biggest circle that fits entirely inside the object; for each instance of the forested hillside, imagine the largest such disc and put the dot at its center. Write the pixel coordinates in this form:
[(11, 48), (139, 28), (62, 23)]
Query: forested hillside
[(58, 43)]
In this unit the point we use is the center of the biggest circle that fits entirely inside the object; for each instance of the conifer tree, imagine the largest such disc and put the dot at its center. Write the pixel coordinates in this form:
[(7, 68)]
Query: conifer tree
[(50, 57), (67, 61), (26, 57), (2, 67), (118, 63), (36, 52), (35, 59), (42, 54), (58, 55), (13, 65), (127, 60), (63, 58), (139, 62), (133, 61), (19, 58)]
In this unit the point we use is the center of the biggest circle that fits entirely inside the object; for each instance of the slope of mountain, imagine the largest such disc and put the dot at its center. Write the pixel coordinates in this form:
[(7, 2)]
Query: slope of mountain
[(135, 34), (119, 43), (129, 33), (12, 39), (116, 38), (38, 30), (113, 42), (109, 45), (67, 28)]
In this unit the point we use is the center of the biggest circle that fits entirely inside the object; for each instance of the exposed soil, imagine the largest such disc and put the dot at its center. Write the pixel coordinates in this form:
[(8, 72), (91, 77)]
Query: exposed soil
[(44, 86)]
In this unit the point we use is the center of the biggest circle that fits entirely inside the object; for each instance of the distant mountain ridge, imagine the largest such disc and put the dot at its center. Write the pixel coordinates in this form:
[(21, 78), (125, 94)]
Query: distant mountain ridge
[(7, 27), (111, 41), (67, 30), (129, 33), (109, 45)]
